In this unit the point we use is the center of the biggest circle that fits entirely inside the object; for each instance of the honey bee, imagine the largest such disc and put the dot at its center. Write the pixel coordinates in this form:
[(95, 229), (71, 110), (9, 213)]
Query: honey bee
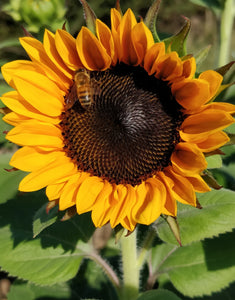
[(81, 91)]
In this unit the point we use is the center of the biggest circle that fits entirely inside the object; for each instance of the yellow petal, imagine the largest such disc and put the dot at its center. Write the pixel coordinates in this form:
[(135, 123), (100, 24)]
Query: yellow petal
[(17, 104), (115, 23), (182, 190), (152, 57), (115, 19), (40, 92), (35, 50), (66, 47), (128, 223), (197, 127), (214, 80), (105, 37), (187, 159), (191, 93), (168, 67), (199, 184), (125, 196), (58, 169), (91, 52), (36, 133), (30, 158), (54, 191), (11, 68), (128, 53), (51, 51), (142, 39), (14, 119), (189, 68), (100, 211), (88, 193), (227, 107), (151, 197), (213, 141), (170, 207), (37, 53), (69, 193), (119, 196)]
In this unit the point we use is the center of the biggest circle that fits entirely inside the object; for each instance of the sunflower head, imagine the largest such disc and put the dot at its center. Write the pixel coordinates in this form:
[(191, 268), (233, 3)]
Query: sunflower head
[(114, 121)]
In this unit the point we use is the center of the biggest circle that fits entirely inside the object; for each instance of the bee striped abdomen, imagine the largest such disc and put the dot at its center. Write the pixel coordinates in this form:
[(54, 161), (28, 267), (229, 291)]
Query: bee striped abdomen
[(83, 86)]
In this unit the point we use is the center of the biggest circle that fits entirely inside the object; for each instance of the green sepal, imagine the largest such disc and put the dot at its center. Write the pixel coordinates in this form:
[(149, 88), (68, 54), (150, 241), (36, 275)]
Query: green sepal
[(70, 212), (232, 139), (118, 7), (118, 231), (222, 88), (202, 55), (89, 16), (178, 42), (224, 69), (210, 180), (174, 227), (151, 17)]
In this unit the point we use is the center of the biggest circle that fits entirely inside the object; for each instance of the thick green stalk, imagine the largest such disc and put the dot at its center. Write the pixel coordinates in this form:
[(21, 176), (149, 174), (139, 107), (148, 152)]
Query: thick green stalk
[(145, 247), (130, 289), (226, 27)]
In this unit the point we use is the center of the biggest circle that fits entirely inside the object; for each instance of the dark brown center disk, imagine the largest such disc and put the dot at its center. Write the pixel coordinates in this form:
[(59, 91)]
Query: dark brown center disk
[(128, 132)]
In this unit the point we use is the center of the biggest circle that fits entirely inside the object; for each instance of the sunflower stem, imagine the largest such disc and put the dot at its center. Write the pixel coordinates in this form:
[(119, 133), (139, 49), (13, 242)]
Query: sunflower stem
[(226, 27), (145, 247), (130, 289)]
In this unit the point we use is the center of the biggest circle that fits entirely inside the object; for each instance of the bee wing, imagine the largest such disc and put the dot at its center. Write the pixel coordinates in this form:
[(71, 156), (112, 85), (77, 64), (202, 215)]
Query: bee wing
[(71, 98), (95, 87)]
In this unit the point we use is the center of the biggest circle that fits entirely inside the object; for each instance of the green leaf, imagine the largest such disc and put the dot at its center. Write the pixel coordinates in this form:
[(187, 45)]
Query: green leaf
[(151, 17), (25, 290), (42, 219), (211, 4), (52, 257), (12, 42), (203, 267), (158, 295), (231, 129), (178, 42), (214, 161), (9, 181), (216, 216)]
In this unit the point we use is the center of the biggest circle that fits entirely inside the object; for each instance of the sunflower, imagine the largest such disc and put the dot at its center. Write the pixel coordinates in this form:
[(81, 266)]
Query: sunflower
[(113, 122)]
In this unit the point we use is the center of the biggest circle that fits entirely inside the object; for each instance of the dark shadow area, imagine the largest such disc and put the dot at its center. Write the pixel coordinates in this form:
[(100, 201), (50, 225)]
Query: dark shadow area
[(18, 213), (220, 251)]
